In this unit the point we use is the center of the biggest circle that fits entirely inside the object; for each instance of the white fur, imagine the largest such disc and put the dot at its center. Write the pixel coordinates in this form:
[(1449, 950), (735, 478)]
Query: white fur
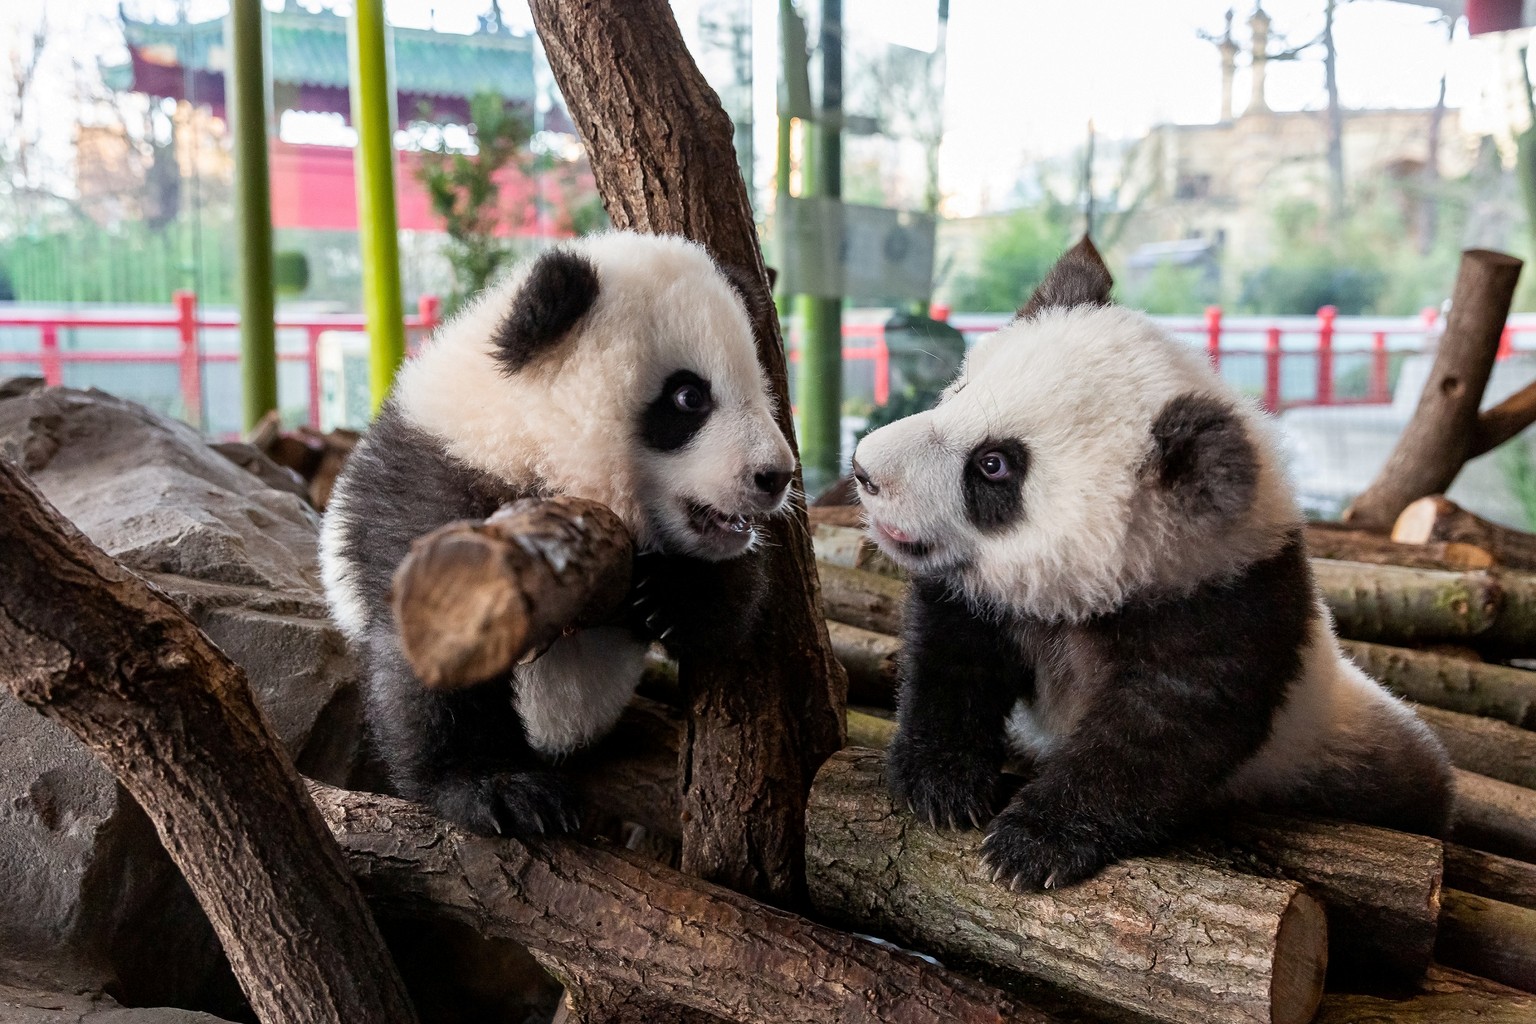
[(567, 420), (575, 691), (348, 608), (1081, 388)]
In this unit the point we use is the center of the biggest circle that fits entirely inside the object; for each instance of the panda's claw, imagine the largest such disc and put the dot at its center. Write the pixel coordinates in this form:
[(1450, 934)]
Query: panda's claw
[(667, 632)]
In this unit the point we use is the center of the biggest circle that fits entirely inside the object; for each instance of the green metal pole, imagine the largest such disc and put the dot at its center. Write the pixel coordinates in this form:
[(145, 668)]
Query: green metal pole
[(821, 353), (373, 115), (247, 81)]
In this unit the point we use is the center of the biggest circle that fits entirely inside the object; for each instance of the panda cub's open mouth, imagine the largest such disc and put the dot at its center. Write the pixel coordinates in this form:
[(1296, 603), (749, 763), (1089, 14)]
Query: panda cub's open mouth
[(709, 522)]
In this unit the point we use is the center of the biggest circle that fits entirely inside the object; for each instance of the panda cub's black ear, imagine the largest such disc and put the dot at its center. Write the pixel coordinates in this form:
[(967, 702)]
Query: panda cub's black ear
[(1079, 278), (1203, 460), (559, 289)]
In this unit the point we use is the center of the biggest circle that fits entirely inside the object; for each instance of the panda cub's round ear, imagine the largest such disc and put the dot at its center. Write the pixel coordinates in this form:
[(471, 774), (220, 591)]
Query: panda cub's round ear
[(558, 290), (1202, 459), (1079, 278)]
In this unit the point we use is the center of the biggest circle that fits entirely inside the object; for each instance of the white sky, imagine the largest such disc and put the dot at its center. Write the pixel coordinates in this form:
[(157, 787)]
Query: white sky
[(1025, 76)]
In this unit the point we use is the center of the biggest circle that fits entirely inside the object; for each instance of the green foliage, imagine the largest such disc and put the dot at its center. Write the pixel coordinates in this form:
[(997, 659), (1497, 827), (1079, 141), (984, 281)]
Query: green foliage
[(1319, 264), (1015, 255), (290, 272), (1171, 290), (131, 263), (465, 196), (1520, 473)]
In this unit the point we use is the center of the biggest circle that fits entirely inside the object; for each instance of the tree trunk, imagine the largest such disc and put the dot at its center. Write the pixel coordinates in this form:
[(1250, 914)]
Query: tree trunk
[(1493, 815), (862, 599), (1492, 939), (90, 645), (763, 721), (1491, 691), (616, 923), (1447, 996), (1487, 874), (1495, 749), (1325, 540), (1437, 518), (1174, 940), (1336, 194), (474, 599), (1430, 451)]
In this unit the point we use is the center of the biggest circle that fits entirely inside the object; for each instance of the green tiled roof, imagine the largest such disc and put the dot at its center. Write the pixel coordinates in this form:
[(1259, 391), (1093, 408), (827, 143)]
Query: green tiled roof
[(311, 49)]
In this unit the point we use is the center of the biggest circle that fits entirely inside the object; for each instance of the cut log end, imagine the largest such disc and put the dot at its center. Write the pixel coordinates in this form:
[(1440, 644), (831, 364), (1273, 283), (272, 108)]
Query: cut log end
[(461, 619), (1301, 961)]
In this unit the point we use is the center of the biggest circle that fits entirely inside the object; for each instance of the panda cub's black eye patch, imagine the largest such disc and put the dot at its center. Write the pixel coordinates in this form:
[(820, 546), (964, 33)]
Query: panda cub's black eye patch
[(993, 483), (677, 413)]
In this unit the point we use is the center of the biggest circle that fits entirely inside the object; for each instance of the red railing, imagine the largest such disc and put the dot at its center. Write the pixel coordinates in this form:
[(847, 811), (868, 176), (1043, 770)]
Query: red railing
[(189, 357), (1232, 343)]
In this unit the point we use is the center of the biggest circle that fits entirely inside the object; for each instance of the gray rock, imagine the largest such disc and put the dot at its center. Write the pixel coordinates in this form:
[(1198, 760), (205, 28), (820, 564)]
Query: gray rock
[(26, 1005), (88, 899)]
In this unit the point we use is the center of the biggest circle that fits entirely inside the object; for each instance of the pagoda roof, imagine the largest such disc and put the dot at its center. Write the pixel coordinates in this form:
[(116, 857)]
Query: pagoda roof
[(309, 50)]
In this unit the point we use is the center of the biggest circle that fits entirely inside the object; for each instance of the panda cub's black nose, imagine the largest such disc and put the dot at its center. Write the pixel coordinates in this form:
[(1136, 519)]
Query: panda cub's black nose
[(772, 482)]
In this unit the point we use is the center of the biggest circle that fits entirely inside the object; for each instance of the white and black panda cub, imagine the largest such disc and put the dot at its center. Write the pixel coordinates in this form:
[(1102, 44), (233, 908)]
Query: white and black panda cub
[(1107, 570), (619, 368)]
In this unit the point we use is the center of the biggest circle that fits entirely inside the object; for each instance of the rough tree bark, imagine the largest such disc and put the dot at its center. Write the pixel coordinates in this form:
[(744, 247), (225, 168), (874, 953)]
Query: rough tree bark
[(474, 599), (1438, 519), (91, 645), (1505, 879), (1493, 815), (1495, 940), (763, 721), (616, 923), (1474, 688), (1440, 436), (1177, 941), (1447, 996), (1342, 544), (1495, 749)]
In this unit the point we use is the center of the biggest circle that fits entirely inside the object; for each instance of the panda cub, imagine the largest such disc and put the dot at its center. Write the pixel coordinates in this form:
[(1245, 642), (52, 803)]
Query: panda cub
[(1108, 577), (620, 368)]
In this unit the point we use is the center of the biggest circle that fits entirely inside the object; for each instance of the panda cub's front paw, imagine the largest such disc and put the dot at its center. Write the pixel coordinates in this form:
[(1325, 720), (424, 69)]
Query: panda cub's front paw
[(943, 791), (1026, 849), (514, 804)]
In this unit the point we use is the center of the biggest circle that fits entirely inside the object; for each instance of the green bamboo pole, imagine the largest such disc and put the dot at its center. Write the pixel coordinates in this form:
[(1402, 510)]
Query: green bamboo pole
[(821, 351), (373, 115), (247, 80)]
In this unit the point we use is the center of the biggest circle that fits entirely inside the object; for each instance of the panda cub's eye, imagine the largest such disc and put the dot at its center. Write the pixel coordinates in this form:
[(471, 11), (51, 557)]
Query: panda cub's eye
[(690, 398), (994, 465)]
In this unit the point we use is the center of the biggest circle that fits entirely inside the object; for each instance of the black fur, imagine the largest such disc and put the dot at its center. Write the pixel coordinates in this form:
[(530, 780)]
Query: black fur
[(559, 290), (1164, 699), (1204, 462), (465, 752), (995, 504), (1079, 278), (664, 427)]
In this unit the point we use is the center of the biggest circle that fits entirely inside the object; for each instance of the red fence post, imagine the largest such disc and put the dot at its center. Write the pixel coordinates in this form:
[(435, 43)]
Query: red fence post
[(1272, 370), (191, 370), (53, 365), (1380, 390), (1213, 336), (1506, 343), (1325, 319), (430, 309), (882, 369), (939, 311)]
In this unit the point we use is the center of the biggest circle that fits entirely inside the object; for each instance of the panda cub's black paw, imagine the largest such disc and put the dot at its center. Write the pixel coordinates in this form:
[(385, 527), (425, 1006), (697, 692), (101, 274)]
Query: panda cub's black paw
[(1025, 850), (945, 792), (513, 804)]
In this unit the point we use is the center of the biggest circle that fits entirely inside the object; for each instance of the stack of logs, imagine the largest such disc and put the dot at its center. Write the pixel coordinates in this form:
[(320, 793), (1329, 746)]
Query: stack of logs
[(1445, 621)]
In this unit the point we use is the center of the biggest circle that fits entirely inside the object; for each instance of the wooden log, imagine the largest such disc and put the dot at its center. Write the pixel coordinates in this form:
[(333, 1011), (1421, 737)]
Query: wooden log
[(1492, 939), (473, 599), (1439, 437), (852, 549), (616, 917), (1495, 749), (765, 716), (1493, 815), (1377, 603), (862, 599), (90, 645), (1492, 691), (1447, 996), (866, 730), (869, 658), (1437, 519), (1487, 874), (850, 516), (1504, 421), (1327, 540), (1175, 941)]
